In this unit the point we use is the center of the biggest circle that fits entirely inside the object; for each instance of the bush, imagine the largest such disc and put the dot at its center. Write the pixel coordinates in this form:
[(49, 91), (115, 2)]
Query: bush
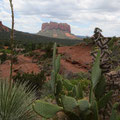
[(114, 47), (3, 57), (15, 60), (34, 81), (16, 102), (48, 48), (88, 41)]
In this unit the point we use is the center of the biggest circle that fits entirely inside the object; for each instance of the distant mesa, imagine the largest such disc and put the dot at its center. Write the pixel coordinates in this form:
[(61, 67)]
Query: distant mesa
[(3, 28), (58, 26), (57, 30)]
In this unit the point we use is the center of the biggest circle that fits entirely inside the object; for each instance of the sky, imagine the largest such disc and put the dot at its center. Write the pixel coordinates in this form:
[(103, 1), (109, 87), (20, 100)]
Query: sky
[(82, 15)]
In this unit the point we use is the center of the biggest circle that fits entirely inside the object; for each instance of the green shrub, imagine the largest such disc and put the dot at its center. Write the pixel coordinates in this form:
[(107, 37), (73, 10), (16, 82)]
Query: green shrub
[(88, 41), (3, 57), (48, 48), (15, 60), (15, 102), (1, 46), (33, 80), (114, 47)]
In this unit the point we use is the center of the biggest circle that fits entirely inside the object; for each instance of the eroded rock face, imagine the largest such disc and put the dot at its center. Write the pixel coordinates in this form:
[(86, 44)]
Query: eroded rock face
[(0, 23), (3, 28), (54, 25)]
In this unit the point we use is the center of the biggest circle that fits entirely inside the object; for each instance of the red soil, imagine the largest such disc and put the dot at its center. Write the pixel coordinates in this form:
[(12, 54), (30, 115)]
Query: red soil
[(24, 65), (77, 58)]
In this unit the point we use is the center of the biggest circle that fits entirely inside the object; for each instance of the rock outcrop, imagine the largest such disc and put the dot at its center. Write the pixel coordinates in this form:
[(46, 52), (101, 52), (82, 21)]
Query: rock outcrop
[(3, 28), (53, 25), (57, 30)]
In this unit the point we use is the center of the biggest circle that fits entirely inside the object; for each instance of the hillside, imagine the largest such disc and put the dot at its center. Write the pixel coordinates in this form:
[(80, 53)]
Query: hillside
[(57, 30), (71, 63), (23, 37)]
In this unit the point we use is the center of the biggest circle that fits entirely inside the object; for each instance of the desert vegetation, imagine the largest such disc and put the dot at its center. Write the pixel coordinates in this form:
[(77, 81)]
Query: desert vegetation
[(93, 94)]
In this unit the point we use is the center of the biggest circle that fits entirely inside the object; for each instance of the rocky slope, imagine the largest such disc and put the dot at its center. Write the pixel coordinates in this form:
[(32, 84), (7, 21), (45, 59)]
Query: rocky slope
[(57, 30), (24, 37)]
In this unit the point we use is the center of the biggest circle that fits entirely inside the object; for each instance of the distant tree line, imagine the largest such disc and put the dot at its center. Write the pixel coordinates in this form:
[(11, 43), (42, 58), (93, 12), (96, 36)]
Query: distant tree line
[(26, 38)]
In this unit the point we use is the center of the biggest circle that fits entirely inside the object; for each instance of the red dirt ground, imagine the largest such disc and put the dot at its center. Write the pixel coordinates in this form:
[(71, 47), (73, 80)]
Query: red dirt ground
[(24, 65), (75, 59)]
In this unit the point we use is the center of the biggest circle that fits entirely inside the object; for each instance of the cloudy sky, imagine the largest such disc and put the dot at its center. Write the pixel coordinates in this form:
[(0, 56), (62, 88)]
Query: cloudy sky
[(82, 15)]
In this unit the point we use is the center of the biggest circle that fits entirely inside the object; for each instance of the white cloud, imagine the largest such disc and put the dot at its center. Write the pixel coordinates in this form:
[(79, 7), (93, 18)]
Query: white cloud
[(82, 15)]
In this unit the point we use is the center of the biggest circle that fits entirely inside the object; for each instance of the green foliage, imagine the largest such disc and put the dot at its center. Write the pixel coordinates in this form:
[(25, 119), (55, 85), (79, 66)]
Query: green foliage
[(34, 81), (31, 54), (115, 115), (84, 82), (100, 88), (69, 103), (3, 57), (114, 47), (70, 87), (67, 85), (75, 105), (104, 100), (45, 109), (7, 51), (48, 49), (54, 74), (83, 105), (1, 46), (88, 41), (15, 60), (96, 71), (26, 38), (82, 75), (78, 91), (96, 81), (16, 102), (112, 42), (94, 108)]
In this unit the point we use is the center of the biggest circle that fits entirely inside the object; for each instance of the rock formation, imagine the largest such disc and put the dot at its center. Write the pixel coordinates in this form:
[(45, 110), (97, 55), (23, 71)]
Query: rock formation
[(57, 30), (3, 28), (53, 25)]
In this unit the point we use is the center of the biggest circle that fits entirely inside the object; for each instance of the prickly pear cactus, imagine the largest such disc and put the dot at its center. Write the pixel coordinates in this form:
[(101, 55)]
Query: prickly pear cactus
[(56, 85), (46, 110)]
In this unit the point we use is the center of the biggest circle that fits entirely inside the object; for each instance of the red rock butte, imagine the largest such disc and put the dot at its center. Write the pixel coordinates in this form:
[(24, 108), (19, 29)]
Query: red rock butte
[(0, 23), (53, 25), (3, 28)]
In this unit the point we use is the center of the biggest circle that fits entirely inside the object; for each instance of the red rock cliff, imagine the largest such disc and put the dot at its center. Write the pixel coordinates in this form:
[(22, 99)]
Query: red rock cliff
[(3, 28), (54, 25)]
